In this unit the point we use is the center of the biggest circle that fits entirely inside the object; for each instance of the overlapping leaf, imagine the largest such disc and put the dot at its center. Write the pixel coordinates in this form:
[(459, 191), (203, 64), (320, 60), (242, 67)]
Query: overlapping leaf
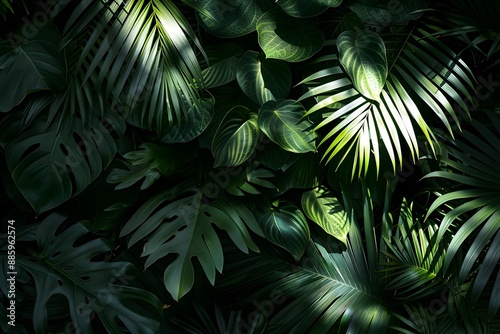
[(236, 138), (263, 79), (282, 122), (473, 163), (322, 207), (229, 18), (59, 267), (362, 54), (49, 166), (184, 227), (33, 65), (287, 38), (287, 227), (419, 73)]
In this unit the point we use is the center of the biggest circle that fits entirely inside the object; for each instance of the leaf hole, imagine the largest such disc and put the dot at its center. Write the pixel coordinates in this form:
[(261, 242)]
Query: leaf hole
[(28, 151), (85, 278), (56, 254), (182, 228), (60, 282)]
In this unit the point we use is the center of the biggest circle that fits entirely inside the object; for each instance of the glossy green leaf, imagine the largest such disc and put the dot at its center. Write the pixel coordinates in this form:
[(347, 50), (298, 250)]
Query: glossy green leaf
[(286, 226), (263, 79), (287, 38), (282, 122), (229, 18), (236, 138), (31, 66), (321, 206), (363, 56), (60, 267), (58, 163), (184, 227)]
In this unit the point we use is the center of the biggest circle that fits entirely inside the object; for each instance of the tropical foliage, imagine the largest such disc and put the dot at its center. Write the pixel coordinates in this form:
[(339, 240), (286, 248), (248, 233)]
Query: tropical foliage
[(250, 166)]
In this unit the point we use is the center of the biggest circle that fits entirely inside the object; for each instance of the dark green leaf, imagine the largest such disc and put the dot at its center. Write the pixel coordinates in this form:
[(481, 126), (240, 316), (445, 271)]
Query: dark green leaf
[(287, 227), (263, 79)]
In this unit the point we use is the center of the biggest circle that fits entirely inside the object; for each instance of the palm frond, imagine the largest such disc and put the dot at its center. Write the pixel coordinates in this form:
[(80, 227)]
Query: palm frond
[(423, 74), (142, 56), (473, 163)]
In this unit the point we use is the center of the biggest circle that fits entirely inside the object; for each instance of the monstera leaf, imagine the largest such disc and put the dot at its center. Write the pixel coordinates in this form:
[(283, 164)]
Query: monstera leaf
[(263, 79), (49, 166), (287, 38), (282, 122), (33, 65), (59, 267), (362, 54), (184, 227)]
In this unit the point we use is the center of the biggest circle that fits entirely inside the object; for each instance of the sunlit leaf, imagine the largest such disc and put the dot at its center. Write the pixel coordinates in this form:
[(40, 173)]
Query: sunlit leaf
[(282, 122), (322, 207), (362, 53), (287, 38)]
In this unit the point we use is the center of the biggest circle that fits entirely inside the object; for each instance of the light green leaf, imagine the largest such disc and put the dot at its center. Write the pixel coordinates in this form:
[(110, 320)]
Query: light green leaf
[(287, 38), (229, 18), (184, 227), (60, 268), (287, 227), (363, 56), (322, 207), (263, 79), (34, 65), (236, 138), (222, 63), (282, 122), (58, 163)]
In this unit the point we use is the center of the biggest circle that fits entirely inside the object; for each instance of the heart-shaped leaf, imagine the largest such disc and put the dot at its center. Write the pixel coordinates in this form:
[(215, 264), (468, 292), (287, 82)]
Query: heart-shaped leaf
[(263, 79), (286, 227), (287, 38), (363, 55), (323, 208), (236, 138), (282, 122)]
